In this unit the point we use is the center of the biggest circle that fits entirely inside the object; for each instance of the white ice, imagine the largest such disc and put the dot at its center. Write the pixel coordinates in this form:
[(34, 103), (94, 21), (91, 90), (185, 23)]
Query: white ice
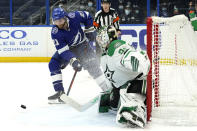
[(30, 84)]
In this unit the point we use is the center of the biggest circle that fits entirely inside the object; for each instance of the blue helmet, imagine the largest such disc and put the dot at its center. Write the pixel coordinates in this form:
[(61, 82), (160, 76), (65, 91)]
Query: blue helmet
[(58, 13)]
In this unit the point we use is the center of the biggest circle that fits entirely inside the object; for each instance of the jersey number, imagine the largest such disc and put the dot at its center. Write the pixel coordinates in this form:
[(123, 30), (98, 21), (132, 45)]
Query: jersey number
[(56, 42), (121, 51)]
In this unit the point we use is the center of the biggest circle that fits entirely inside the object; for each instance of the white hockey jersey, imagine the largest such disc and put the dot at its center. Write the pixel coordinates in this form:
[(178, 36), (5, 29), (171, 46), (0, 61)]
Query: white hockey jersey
[(122, 63)]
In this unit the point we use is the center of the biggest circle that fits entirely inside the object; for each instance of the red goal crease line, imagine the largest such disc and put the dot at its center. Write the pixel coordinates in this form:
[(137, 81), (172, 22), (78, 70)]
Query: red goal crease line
[(25, 59)]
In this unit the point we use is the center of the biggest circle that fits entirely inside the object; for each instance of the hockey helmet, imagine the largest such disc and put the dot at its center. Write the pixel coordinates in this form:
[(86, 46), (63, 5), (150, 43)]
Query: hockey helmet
[(106, 35), (112, 33), (102, 37), (58, 13)]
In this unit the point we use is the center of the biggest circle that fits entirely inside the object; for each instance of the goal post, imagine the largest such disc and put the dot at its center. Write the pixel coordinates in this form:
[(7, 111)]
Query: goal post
[(172, 80), (149, 78)]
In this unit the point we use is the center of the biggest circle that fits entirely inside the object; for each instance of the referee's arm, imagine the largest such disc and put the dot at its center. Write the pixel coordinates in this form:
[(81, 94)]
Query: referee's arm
[(116, 21), (96, 20)]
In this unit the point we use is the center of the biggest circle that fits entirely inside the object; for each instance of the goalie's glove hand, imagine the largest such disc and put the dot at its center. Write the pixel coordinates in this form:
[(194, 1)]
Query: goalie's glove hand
[(76, 65)]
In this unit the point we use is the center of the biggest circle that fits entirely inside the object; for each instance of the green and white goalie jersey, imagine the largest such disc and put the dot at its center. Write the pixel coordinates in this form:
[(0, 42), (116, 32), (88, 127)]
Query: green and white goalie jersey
[(121, 63)]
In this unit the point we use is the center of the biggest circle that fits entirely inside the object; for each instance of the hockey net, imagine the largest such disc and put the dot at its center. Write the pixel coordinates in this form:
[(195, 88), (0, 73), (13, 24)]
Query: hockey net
[(172, 80)]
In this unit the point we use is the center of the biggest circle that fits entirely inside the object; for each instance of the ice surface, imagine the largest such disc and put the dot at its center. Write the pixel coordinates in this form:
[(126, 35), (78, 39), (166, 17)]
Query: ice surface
[(30, 84)]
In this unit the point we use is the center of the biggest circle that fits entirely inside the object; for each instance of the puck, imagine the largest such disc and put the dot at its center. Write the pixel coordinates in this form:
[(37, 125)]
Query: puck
[(23, 106)]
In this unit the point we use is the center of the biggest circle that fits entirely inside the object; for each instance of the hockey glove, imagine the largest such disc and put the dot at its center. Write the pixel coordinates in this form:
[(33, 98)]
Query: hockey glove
[(76, 65)]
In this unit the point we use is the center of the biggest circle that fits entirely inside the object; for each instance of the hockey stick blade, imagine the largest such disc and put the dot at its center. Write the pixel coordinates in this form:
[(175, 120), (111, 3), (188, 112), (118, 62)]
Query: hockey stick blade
[(78, 106)]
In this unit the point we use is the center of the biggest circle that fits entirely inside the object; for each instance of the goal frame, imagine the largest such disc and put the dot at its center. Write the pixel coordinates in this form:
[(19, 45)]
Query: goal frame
[(181, 32), (149, 78)]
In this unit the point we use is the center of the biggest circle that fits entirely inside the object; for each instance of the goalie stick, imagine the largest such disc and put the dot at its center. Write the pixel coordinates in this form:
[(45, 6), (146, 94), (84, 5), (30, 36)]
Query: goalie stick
[(78, 106)]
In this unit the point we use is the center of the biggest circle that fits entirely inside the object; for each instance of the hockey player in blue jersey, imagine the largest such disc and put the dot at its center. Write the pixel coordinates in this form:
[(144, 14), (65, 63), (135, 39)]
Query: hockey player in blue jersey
[(72, 48)]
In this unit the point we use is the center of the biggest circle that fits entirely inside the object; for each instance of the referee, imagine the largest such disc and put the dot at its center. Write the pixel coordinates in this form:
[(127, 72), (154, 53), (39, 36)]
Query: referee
[(107, 16)]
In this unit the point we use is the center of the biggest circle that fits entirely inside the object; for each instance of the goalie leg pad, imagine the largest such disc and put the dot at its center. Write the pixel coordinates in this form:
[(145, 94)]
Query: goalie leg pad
[(129, 117), (132, 111)]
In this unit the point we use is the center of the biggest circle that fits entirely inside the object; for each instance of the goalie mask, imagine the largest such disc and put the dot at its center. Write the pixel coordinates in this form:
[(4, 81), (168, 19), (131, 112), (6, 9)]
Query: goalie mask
[(106, 35)]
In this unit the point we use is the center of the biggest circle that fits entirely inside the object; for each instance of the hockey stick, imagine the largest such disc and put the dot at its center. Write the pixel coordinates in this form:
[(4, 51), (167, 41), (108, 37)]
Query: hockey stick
[(78, 106), (71, 83)]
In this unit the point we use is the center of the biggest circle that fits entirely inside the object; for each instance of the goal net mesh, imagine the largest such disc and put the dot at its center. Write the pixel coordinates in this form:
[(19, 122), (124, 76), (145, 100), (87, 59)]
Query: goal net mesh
[(172, 48)]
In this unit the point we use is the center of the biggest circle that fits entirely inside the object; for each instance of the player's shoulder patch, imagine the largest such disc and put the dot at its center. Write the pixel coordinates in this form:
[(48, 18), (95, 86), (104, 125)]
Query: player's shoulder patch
[(117, 44), (114, 45), (54, 30), (71, 14)]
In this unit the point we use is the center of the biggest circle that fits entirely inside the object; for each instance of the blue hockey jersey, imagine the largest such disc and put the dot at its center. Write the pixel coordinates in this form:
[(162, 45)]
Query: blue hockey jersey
[(64, 39)]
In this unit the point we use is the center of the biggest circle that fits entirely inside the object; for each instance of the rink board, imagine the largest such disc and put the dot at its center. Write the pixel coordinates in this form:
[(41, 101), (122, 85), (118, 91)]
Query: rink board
[(34, 44), (25, 44)]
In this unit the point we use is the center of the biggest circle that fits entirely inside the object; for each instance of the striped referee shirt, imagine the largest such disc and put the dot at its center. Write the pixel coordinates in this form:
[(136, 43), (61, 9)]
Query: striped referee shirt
[(106, 19)]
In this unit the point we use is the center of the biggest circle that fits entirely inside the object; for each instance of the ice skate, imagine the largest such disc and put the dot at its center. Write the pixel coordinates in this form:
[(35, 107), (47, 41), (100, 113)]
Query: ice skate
[(55, 99)]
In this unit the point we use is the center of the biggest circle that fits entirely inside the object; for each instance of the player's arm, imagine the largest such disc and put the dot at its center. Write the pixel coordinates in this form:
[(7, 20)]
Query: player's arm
[(85, 18), (66, 54), (63, 51)]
